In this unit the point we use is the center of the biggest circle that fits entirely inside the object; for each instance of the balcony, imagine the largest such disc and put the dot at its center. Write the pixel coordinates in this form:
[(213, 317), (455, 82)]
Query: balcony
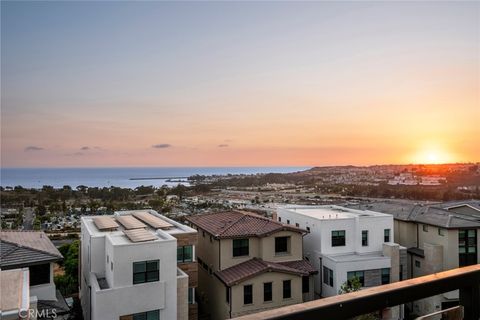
[(466, 280)]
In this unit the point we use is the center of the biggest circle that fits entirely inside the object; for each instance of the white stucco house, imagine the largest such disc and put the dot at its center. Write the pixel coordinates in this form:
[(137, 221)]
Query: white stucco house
[(343, 243), (128, 268)]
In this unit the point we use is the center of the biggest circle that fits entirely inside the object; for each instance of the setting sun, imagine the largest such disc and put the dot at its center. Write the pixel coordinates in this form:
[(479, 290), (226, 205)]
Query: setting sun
[(432, 156)]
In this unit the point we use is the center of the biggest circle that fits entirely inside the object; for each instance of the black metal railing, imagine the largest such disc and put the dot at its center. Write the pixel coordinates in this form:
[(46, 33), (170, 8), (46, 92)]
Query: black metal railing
[(345, 306)]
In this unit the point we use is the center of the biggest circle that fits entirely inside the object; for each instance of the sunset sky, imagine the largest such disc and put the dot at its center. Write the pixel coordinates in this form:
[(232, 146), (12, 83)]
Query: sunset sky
[(239, 84)]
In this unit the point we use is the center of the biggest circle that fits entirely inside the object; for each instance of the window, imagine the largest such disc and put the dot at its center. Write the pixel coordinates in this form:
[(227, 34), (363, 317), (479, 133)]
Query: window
[(328, 276), (308, 229), (267, 291), (240, 247), (385, 275), (149, 315), (441, 232), (279, 219), (417, 263), (107, 259), (191, 295), (247, 294), (386, 235), (288, 221), (297, 225), (227, 294), (39, 274), (203, 234), (146, 271), (425, 228), (359, 274), (111, 265), (364, 238), (338, 238), (305, 284), (185, 254), (287, 289), (467, 247), (282, 244)]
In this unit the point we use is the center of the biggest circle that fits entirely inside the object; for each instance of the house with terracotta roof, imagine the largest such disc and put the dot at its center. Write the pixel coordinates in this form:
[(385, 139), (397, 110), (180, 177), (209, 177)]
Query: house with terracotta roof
[(249, 263)]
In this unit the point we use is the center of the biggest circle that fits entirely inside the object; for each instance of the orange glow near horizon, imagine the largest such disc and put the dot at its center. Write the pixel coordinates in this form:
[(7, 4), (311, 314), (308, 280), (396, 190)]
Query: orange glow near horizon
[(433, 155)]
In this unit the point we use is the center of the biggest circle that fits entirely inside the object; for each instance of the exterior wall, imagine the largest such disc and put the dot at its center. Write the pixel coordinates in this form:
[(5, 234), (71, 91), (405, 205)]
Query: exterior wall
[(340, 270), (405, 233), (227, 259), (207, 249), (45, 291), (238, 308), (190, 268), (182, 296), (267, 247), (317, 244), (122, 297)]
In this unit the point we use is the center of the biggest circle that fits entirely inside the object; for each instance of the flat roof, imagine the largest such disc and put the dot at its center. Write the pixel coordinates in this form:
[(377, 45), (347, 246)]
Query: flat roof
[(333, 212), (123, 235), (353, 257), (15, 292)]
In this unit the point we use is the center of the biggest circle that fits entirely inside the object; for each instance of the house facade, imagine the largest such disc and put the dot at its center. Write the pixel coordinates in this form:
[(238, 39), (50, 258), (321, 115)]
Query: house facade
[(128, 267), (343, 243), (249, 263), (439, 237)]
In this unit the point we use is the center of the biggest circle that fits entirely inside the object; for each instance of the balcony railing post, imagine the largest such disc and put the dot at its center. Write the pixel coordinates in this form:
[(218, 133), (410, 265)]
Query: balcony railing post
[(470, 300)]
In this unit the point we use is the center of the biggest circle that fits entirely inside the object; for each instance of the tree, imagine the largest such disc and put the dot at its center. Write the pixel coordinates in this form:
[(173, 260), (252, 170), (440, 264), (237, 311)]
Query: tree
[(353, 285), (68, 282)]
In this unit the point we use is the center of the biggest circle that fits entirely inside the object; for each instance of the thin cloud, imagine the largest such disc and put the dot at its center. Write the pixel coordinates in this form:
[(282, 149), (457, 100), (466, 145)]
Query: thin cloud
[(162, 146), (223, 145), (33, 148), (85, 148)]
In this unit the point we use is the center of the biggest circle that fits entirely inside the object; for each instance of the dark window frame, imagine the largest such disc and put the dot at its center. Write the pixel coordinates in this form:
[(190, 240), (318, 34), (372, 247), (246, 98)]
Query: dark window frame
[(338, 238), (282, 245), (360, 274), (39, 274), (267, 291), (287, 289), (385, 275), (240, 247), (305, 284), (467, 247), (149, 274), (386, 235), (364, 238), (182, 253), (248, 294)]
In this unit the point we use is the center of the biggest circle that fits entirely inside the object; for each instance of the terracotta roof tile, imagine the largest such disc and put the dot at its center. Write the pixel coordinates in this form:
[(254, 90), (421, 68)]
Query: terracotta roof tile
[(254, 267), (233, 224)]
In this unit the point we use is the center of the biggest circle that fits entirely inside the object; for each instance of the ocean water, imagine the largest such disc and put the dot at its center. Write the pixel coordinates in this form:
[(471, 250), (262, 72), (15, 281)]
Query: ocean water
[(119, 177)]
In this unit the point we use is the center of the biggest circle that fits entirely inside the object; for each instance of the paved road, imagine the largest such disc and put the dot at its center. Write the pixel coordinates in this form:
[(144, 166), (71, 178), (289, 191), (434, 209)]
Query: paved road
[(28, 219)]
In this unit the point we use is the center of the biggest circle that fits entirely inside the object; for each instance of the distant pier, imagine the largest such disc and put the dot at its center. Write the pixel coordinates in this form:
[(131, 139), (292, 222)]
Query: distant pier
[(158, 178)]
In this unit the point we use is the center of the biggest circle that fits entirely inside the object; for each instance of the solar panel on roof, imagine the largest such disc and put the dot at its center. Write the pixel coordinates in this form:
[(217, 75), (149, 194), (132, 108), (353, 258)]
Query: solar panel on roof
[(130, 222), (151, 220), (105, 223), (139, 235)]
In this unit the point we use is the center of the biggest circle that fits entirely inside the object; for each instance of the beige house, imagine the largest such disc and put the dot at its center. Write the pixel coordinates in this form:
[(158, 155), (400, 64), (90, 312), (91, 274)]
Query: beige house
[(439, 237), (249, 263)]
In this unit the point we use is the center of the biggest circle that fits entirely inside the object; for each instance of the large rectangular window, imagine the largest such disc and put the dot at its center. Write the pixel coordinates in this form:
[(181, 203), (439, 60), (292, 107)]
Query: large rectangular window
[(287, 289), (39, 274), (146, 271), (385, 275), (328, 276), (240, 247), (148, 315), (248, 294), (267, 291), (364, 238), (467, 247), (338, 238), (359, 274), (305, 284), (282, 245), (191, 295), (185, 254), (386, 235)]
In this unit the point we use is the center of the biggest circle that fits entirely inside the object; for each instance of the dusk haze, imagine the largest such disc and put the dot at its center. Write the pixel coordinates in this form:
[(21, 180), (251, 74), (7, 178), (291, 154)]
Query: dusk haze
[(112, 84)]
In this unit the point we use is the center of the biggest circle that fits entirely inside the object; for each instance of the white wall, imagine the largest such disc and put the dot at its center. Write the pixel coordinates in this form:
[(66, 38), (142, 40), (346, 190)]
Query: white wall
[(45, 291)]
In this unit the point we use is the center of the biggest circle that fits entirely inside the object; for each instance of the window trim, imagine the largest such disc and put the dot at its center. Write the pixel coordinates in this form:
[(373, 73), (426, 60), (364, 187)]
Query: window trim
[(250, 295), (242, 250), (287, 245), (147, 272), (270, 284), (365, 241), (338, 240), (287, 290)]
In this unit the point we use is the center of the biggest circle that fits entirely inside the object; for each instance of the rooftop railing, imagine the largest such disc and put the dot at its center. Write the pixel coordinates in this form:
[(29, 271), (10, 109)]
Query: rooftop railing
[(345, 306)]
